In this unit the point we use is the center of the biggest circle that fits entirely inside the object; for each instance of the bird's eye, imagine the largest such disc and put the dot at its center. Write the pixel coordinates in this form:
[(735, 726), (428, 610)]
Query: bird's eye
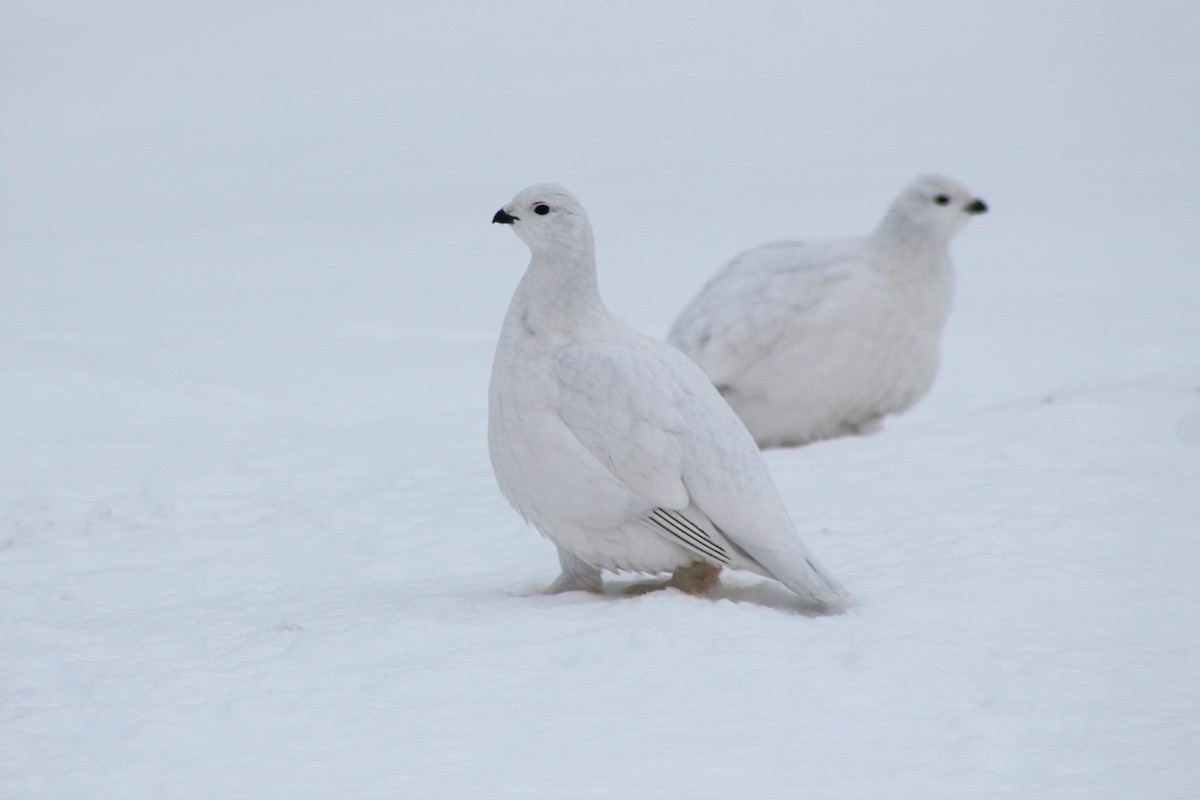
[(541, 208), (942, 199)]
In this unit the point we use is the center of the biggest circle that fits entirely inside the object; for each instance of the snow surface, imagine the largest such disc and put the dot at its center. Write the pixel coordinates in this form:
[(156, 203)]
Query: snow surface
[(250, 544)]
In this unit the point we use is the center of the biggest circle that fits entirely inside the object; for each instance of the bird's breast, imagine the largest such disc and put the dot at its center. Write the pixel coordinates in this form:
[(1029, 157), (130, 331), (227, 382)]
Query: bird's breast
[(542, 468)]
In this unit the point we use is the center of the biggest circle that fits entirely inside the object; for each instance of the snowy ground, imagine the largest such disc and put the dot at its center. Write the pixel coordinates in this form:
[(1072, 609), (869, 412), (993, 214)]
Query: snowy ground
[(250, 546)]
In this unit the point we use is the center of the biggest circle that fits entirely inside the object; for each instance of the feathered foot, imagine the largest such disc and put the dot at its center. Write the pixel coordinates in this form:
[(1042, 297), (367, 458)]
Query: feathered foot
[(699, 577)]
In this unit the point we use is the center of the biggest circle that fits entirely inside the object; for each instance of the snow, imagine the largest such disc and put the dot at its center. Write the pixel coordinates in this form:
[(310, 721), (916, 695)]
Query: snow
[(250, 544)]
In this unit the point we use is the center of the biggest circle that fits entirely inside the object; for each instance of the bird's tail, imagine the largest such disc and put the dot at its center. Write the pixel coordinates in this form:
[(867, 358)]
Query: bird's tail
[(799, 570)]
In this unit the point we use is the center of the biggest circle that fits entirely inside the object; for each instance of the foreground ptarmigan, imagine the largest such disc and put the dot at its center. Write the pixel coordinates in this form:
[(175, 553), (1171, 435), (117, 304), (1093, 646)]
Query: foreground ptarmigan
[(811, 340), (615, 445)]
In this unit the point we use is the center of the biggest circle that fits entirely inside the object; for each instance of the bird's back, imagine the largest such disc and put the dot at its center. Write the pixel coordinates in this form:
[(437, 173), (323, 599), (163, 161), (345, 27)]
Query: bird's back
[(812, 340), (765, 295)]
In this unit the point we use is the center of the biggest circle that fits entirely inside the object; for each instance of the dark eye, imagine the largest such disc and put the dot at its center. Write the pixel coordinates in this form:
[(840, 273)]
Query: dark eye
[(942, 199), (541, 208)]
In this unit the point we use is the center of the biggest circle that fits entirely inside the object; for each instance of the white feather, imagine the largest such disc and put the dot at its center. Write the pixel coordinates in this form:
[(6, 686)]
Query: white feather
[(615, 445), (810, 340)]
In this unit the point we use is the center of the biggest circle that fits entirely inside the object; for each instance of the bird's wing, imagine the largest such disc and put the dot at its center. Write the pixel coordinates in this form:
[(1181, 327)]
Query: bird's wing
[(651, 417), (762, 295), (618, 404), (630, 402)]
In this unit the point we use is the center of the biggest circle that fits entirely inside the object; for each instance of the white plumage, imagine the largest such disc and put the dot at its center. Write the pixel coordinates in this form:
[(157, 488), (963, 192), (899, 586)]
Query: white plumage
[(615, 445), (811, 340)]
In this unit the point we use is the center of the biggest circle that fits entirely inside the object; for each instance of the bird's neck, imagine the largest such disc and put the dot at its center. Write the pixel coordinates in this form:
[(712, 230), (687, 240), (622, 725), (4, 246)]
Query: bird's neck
[(911, 246), (557, 294)]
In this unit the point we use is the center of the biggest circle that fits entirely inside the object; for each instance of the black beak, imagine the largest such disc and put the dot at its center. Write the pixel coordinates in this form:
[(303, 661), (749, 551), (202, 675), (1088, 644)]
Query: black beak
[(505, 218), (975, 207)]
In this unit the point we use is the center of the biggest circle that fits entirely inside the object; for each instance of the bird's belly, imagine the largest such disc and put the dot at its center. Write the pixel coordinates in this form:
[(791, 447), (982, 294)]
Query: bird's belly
[(829, 384)]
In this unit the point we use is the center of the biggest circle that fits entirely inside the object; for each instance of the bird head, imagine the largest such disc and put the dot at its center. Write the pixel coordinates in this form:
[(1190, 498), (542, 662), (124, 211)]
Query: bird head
[(935, 205), (546, 216)]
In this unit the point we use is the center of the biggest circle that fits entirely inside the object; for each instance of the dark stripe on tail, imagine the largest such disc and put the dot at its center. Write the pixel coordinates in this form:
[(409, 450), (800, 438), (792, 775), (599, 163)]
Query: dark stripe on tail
[(691, 536)]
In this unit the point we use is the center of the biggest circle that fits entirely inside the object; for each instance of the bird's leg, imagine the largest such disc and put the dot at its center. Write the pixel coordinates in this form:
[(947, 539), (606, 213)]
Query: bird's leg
[(577, 576), (699, 577)]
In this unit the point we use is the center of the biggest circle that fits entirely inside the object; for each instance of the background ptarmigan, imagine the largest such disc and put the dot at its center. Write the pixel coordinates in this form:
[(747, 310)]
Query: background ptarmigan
[(815, 339), (616, 446)]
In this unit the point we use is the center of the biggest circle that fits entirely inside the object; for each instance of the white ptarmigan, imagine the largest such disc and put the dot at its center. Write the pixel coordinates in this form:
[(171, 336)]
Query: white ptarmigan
[(816, 339), (615, 445)]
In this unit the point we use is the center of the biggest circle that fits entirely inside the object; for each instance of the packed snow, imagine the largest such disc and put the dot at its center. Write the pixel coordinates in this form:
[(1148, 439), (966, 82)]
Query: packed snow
[(250, 542)]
